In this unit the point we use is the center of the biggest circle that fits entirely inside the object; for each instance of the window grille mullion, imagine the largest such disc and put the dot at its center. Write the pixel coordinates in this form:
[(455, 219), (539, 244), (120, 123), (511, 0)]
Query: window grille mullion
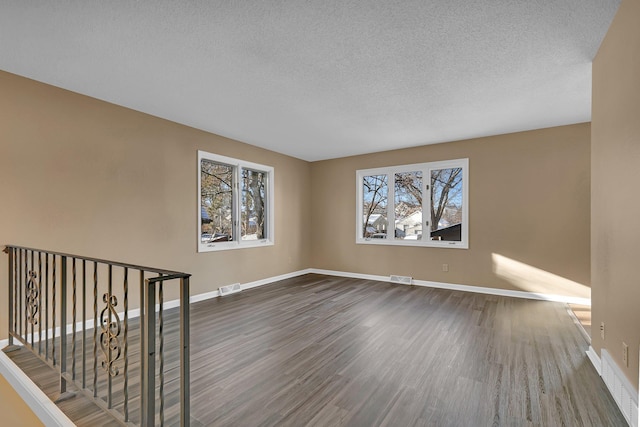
[(236, 202)]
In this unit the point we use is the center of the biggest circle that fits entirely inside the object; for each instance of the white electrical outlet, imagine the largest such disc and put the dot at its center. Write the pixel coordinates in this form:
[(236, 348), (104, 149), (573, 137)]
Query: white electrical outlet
[(602, 331), (445, 267), (625, 354)]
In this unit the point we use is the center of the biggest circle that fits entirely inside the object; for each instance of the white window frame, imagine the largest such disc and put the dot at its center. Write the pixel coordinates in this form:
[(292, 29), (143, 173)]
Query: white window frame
[(238, 165), (426, 169)]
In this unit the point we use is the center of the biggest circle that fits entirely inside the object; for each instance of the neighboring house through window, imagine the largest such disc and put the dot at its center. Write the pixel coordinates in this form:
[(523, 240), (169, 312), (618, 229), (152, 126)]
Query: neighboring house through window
[(423, 204)]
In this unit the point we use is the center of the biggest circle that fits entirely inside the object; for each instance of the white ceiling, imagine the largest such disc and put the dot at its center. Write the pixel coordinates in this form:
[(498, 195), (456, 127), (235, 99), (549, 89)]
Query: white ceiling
[(320, 79)]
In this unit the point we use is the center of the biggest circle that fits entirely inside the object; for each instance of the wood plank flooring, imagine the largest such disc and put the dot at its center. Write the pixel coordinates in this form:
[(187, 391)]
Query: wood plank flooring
[(327, 351)]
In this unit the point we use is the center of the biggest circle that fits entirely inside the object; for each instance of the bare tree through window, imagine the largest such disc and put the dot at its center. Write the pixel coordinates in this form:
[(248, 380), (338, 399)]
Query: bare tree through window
[(217, 199), (253, 204), (375, 189), (446, 197), (236, 203), (408, 205)]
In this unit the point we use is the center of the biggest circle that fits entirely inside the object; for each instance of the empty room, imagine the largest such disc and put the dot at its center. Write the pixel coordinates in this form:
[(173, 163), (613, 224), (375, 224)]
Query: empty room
[(319, 213)]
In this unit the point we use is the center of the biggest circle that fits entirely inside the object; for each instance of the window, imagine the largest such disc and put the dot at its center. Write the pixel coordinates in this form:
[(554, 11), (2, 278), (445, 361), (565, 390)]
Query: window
[(414, 205), (235, 203)]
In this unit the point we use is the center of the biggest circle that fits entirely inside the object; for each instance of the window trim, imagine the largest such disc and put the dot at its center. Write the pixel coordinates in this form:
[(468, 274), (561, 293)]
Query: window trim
[(237, 165), (426, 169)]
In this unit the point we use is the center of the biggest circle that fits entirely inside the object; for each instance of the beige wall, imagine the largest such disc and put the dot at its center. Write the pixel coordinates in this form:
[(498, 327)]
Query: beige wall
[(529, 205), (615, 206), (87, 177)]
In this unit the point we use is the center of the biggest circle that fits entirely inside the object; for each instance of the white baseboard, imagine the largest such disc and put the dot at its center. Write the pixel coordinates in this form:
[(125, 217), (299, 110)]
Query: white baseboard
[(268, 280), (244, 286), (199, 297), (40, 404), (595, 360), (623, 392), (463, 288), (349, 274)]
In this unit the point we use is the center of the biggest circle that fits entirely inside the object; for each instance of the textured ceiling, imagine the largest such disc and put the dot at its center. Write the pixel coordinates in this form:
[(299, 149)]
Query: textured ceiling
[(320, 79)]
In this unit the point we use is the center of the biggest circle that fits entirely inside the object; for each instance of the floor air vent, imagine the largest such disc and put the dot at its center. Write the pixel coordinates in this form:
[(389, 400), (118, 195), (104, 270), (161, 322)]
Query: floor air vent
[(405, 280), (229, 289)]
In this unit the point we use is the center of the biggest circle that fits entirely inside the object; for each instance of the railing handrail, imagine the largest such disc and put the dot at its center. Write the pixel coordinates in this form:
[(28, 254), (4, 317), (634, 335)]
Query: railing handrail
[(177, 274)]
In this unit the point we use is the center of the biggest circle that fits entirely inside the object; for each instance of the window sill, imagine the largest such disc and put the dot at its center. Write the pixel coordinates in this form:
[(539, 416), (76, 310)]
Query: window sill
[(417, 244), (227, 246)]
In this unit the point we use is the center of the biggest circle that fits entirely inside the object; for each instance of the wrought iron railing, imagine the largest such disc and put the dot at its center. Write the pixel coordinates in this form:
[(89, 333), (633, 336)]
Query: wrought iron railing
[(118, 352)]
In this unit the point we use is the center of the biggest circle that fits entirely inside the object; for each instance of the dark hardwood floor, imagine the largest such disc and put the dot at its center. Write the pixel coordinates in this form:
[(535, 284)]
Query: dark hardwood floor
[(327, 351)]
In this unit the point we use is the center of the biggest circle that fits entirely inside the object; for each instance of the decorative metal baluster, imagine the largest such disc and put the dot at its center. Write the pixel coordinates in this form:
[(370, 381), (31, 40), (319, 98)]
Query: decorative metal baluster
[(126, 343), (22, 272), (25, 274), (73, 322), (16, 279), (53, 304), (109, 341), (161, 349), (18, 293), (149, 373), (84, 323), (143, 304), (25, 283), (46, 306), (185, 394), (64, 393), (40, 302), (95, 329), (63, 324), (11, 301), (107, 300), (31, 298)]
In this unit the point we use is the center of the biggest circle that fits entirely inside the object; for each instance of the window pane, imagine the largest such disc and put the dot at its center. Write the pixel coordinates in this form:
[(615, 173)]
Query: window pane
[(253, 207), (408, 205), (375, 189), (216, 215), (446, 204)]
